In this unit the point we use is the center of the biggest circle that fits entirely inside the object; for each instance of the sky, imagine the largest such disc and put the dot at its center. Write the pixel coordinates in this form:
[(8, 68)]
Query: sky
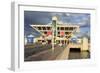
[(44, 18)]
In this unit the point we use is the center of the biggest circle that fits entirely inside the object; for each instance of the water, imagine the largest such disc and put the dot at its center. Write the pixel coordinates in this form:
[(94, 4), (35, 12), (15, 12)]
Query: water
[(77, 54)]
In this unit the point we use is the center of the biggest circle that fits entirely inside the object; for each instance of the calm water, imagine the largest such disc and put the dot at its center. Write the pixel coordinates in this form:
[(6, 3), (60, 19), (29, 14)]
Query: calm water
[(79, 55)]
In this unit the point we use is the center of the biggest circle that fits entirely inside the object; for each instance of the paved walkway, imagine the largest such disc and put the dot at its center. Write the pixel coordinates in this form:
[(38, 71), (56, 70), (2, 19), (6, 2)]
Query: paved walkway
[(46, 55), (64, 55)]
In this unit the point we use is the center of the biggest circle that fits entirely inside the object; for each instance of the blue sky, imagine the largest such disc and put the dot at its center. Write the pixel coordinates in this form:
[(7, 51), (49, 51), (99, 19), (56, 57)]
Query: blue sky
[(36, 17)]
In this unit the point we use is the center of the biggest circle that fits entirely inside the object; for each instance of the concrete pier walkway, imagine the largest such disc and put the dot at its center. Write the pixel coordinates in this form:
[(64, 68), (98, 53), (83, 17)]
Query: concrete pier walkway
[(64, 55)]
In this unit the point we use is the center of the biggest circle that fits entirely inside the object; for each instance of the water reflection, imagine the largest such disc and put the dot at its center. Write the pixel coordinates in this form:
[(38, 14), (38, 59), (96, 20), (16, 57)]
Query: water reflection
[(85, 54), (79, 55)]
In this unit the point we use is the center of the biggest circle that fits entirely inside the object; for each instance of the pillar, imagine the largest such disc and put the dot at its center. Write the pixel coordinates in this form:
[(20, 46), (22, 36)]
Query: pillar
[(85, 44)]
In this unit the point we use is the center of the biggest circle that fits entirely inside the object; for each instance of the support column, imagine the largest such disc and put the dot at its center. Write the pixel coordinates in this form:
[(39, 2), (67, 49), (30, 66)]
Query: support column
[(85, 44), (53, 40)]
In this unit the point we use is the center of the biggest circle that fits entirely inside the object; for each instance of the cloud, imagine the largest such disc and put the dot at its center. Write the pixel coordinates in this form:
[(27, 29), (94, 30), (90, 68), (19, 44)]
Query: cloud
[(67, 14)]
